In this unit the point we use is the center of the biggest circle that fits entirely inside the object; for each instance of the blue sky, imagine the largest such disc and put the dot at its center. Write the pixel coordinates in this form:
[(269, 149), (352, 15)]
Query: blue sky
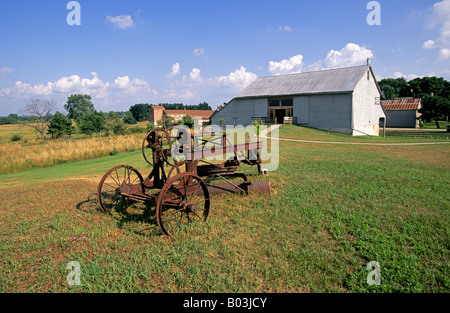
[(128, 52)]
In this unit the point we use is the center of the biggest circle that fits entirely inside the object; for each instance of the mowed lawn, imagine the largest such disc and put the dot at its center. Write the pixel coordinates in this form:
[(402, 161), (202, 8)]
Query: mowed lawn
[(331, 211)]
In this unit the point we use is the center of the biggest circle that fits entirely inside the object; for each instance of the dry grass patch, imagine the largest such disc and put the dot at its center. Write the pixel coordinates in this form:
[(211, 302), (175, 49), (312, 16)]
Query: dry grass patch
[(19, 156)]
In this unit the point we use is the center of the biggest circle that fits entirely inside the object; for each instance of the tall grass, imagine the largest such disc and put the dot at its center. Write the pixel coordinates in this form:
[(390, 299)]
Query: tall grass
[(20, 156)]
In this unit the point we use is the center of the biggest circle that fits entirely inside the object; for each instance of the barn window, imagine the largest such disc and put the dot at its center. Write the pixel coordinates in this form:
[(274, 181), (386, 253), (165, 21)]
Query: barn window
[(274, 102), (282, 102), (287, 102)]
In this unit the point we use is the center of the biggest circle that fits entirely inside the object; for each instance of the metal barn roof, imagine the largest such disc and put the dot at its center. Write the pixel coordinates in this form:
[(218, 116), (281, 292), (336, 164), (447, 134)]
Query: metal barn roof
[(402, 104), (325, 81)]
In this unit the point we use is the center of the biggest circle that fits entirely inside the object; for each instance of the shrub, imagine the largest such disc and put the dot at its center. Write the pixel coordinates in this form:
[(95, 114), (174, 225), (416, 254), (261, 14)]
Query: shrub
[(136, 130), (114, 151), (129, 119), (16, 137), (118, 128), (188, 121), (92, 122), (60, 125)]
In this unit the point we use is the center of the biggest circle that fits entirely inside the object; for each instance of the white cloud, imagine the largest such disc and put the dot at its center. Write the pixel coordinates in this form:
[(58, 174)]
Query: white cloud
[(351, 55), (174, 94), (23, 90), (5, 70), (407, 77), (240, 78), (198, 51), (314, 67), (122, 21), (194, 87), (411, 76), (285, 28), (444, 53), (293, 65), (131, 87), (175, 71), (440, 17), (194, 75), (122, 91), (94, 86), (428, 45)]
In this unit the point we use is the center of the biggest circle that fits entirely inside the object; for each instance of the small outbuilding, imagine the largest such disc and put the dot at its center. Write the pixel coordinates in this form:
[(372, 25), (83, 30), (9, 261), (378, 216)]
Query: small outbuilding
[(403, 112), (345, 100), (156, 113)]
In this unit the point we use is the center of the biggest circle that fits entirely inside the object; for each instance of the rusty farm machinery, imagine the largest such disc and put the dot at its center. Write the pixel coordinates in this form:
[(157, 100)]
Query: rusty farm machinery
[(182, 196)]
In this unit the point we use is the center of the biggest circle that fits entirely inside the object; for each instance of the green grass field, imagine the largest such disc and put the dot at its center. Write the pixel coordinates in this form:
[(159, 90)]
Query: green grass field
[(332, 210)]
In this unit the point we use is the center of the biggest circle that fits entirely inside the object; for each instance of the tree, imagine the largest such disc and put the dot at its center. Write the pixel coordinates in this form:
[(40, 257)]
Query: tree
[(77, 105), (11, 119), (434, 92), (167, 120), (118, 127), (92, 122), (435, 95), (60, 125), (203, 106), (140, 111), (172, 106), (40, 113), (394, 88), (114, 116), (188, 121), (129, 119), (435, 108)]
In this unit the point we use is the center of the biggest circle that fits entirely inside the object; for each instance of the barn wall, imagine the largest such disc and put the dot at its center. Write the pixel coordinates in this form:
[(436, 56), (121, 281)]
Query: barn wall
[(227, 113), (301, 109), (261, 107), (330, 112), (401, 118), (367, 109), (241, 111)]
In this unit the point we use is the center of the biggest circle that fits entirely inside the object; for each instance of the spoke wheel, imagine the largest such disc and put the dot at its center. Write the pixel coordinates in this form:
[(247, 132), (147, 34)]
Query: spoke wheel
[(183, 200), (114, 186), (157, 145)]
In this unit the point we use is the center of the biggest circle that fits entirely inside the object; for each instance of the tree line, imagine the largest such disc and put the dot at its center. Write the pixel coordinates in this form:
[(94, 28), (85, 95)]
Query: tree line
[(434, 92), (140, 111), (81, 112)]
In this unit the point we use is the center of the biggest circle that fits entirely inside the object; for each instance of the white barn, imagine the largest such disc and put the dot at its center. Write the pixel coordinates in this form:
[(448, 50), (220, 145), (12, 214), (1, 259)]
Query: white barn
[(345, 100)]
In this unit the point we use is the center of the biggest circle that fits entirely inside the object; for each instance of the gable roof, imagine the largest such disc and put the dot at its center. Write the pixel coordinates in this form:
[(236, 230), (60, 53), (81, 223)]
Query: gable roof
[(326, 81), (402, 104)]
